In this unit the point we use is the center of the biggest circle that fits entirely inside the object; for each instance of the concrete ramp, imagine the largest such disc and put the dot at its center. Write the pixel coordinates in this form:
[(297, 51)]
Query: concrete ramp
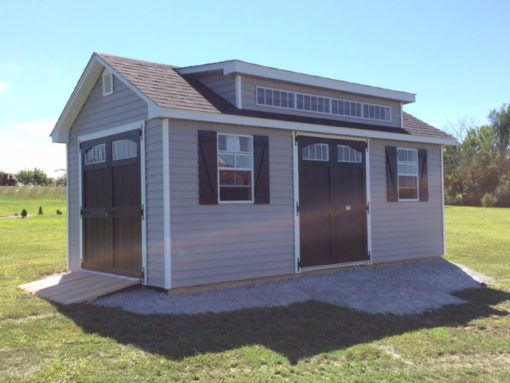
[(78, 286)]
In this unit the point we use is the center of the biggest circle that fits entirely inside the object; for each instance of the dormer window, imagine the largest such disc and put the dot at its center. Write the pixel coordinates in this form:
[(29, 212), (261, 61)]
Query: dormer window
[(107, 83)]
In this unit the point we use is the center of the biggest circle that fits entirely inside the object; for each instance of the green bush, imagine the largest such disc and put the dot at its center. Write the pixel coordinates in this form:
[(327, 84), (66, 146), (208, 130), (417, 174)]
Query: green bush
[(40, 211), (488, 200), (458, 200), (24, 213), (502, 194)]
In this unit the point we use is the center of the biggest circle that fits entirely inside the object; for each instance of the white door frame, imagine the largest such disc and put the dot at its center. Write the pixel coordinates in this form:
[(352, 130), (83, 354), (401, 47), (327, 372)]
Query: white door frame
[(111, 132), (297, 230)]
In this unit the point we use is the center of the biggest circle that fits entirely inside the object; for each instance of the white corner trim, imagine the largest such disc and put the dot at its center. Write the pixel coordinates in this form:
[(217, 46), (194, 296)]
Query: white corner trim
[(443, 203), (293, 126), (80, 204), (239, 92), (295, 182), (143, 181), (368, 194), (167, 248)]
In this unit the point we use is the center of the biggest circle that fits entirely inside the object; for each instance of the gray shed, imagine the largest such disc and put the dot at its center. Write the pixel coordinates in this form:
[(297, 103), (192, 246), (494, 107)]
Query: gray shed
[(231, 171)]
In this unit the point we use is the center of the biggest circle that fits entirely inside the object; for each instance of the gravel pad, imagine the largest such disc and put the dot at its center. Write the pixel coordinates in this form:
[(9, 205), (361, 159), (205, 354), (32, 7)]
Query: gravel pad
[(408, 289)]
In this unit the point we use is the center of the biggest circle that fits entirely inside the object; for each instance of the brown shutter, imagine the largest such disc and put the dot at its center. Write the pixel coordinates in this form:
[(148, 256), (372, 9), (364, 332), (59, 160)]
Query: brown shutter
[(207, 168), (391, 174), (423, 175), (261, 169)]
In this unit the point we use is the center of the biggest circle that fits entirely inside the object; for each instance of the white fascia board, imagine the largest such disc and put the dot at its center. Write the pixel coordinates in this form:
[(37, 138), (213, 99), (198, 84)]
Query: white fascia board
[(293, 126), (242, 67), (88, 79)]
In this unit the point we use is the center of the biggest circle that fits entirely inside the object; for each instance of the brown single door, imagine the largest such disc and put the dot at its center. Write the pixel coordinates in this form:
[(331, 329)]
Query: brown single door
[(332, 201), (111, 204)]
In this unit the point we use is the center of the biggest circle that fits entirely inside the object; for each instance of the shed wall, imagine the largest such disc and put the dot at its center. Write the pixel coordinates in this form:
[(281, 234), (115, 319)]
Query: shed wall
[(405, 229), (98, 113), (217, 243)]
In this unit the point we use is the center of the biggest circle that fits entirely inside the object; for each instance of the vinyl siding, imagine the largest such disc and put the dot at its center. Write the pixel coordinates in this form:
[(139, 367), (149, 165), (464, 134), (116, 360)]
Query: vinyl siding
[(98, 113), (222, 85), (154, 202), (217, 243), (249, 84), (405, 230)]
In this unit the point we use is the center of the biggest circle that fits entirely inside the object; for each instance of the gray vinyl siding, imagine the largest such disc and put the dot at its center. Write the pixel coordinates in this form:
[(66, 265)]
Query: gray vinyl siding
[(405, 230), (222, 85), (249, 84), (154, 202), (225, 242), (97, 114)]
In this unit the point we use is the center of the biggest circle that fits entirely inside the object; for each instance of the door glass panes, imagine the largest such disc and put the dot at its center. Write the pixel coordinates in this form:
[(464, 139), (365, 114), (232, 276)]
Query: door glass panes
[(123, 149), (316, 152), (95, 155), (348, 154)]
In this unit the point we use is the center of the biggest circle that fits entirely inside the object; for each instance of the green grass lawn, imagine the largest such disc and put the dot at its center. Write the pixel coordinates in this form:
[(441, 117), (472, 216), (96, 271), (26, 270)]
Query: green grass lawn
[(306, 342)]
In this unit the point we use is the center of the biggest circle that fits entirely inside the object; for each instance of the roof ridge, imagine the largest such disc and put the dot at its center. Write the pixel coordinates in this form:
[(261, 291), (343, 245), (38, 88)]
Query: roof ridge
[(107, 55)]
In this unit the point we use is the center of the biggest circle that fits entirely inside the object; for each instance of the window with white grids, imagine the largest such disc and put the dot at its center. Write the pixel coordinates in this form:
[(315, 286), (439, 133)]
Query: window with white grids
[(316, 152), (407, 169), (278, 98)]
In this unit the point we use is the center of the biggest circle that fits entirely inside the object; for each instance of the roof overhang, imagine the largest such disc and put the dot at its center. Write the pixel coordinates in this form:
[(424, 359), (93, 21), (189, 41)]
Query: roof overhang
[(241, 67), (81, 92), (230, 119)]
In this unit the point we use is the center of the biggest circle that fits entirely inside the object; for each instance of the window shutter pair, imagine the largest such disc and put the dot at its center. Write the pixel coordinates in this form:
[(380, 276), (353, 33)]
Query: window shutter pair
[(392, 175), (208, 168)]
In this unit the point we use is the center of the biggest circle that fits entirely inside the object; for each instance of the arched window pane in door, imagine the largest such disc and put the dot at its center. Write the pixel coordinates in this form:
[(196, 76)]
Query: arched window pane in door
[(316, 152), (95, 155), (124, 149)]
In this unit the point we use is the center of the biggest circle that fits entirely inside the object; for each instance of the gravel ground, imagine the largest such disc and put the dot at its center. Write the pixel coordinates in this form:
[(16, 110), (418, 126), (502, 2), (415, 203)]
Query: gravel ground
[(408, 289)]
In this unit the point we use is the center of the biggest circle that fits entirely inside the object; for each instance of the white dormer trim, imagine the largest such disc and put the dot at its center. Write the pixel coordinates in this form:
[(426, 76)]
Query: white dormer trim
[(239, 90), (241, 67)]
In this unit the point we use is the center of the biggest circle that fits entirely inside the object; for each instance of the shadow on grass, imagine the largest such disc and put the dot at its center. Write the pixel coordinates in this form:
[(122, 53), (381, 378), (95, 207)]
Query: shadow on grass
[(296, 331)]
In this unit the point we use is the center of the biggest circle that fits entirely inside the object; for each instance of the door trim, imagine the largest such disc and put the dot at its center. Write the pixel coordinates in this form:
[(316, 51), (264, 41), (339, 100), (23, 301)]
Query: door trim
[(297, 230), (111, 132)]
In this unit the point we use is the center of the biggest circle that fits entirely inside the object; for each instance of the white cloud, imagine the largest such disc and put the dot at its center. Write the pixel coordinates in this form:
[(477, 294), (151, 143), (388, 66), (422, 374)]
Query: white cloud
[(25, 145), (3, 86)]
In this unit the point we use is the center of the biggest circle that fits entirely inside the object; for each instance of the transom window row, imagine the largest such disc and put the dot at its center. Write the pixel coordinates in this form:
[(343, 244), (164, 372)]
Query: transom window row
[(320, 104)]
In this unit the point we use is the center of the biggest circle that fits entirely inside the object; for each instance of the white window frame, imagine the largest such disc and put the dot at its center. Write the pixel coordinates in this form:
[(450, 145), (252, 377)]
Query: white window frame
[(251, 170), (357, 152), (277, 90), (330, 100), (315, 159), (106, 74), (417, 175)]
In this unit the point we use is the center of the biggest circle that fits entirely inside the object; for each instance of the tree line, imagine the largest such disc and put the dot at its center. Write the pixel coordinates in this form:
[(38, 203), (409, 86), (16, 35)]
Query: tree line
[(33, 177), (477, 169)]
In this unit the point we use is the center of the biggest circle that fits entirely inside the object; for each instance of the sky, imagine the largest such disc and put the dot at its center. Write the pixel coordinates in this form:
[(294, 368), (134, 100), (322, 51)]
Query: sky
[(453, 54)]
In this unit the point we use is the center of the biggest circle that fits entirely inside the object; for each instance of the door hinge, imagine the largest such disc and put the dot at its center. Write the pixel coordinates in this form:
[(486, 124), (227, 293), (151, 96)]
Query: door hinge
[(368, 208), (141, 212), (297, 208), (81, 211)]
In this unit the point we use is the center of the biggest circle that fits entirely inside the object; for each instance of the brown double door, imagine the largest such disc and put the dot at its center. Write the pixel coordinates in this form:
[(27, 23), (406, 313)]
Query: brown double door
[(111, 204), (332, 201)]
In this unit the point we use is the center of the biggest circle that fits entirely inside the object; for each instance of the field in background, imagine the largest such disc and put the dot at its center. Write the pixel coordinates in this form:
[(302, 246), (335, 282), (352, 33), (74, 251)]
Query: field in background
[(306, 342), (15, 198)]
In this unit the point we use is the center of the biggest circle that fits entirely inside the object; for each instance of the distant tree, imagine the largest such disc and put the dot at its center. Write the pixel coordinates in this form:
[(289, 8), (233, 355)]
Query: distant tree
[(500, 119), (35, 177)]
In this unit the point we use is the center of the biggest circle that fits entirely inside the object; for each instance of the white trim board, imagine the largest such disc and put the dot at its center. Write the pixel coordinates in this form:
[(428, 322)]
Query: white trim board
[(295, 180), (293, 126), (167, 244), (111, 132)]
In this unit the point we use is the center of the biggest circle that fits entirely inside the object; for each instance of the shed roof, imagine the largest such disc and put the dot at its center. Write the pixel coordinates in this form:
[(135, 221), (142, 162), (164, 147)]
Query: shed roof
[(164, 87)]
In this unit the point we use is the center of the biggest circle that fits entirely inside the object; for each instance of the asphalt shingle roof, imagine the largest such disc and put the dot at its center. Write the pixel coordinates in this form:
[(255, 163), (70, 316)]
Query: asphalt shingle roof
[(167, 88)]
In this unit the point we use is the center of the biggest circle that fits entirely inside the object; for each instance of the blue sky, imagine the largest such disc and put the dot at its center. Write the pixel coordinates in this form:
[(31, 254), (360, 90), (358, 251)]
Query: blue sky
[(453, 54)]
